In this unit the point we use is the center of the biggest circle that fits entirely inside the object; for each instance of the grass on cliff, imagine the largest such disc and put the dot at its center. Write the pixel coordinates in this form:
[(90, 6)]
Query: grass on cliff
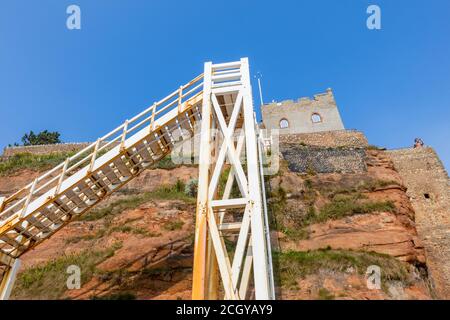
[(342, 202), (347, 207), (48, 281), (293, 265), (168, 164), (32, 161), (324, 294), (296, 229), (165, 163), (175, 192), (173, 225)]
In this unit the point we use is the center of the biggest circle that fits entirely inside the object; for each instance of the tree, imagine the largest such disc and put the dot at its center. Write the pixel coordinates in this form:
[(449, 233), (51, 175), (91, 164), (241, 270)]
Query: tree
[(43, 137)]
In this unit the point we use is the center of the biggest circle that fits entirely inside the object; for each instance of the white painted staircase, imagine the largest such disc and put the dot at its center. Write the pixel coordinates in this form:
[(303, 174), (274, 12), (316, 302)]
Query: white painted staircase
[(39, 210)]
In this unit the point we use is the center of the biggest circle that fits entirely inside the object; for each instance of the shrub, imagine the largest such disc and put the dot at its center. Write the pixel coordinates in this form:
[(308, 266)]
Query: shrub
[(165, 163), (43, 137), (179, 186), (324, 294), (374, 147), (191, 188)]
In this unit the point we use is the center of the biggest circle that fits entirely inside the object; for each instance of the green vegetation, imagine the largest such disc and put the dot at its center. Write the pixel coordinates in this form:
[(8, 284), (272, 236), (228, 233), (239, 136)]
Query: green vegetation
[(295, 233), (230, 245), (32, 162), (347, 206), (324, 294), (235, 192), (48, 281), (175, 192), (43, 137), (341, 202), (173, 225), (373, 185), (191, 188), (277, 204), (292, 265), (165, 163), (374, 147), (310, 170), (368, 185)]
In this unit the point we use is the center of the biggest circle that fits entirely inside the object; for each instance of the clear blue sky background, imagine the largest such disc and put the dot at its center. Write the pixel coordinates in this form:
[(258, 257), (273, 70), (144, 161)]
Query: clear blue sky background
[(393, 84)]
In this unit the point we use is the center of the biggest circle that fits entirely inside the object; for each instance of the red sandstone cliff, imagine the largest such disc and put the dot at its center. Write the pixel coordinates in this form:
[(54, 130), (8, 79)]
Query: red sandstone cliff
[(327, 228)]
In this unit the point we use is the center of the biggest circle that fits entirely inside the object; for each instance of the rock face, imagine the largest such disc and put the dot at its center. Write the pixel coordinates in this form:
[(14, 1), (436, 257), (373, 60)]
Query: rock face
[(366, 212), (429, 191), (12, 183), (324, 160), (382, 233), (136, 244)]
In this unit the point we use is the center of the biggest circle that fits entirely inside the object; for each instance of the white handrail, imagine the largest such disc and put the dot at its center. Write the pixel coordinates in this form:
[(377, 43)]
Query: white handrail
[(90, 152)]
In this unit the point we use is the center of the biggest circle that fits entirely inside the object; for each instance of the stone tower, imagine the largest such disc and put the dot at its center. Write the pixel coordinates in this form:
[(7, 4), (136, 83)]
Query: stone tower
[(304, 115)]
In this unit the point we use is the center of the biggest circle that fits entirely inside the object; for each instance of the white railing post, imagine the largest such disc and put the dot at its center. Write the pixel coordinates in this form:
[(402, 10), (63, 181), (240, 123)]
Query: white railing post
[(30, 195), (260, 257), (9, 277), (180, 96), (94, 155), (61, 177), (2, 203), (124, 135), (152, 118)]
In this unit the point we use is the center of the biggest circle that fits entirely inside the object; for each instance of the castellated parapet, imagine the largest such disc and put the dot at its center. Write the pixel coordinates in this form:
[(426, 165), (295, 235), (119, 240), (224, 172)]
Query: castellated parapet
[(304, 115)]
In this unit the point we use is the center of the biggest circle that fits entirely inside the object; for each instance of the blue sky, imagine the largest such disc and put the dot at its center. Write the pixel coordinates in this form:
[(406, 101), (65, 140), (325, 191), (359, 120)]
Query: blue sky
[(393, 84)]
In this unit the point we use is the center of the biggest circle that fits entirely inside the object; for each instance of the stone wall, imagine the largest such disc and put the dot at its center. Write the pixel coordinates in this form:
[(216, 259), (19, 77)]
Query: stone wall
[(339, 138), (299, 114), (46, 148), (429, 191), (305, 159)]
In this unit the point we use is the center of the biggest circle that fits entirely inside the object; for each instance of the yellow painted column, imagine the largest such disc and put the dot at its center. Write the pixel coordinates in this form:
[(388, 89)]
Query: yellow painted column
[(199, 277)]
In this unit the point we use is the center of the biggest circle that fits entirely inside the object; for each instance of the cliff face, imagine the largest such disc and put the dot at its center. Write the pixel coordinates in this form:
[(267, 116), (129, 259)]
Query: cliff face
[(332, 220), (335, 214), (137, 244), (429, 190)]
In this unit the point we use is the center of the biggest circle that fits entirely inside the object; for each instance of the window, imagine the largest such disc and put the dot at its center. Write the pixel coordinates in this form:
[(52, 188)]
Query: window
[(284, 124), (316, 118)]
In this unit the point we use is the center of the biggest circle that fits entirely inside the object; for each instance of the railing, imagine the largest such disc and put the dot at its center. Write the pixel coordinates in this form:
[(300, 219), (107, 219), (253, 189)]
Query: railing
[(87, 156)]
